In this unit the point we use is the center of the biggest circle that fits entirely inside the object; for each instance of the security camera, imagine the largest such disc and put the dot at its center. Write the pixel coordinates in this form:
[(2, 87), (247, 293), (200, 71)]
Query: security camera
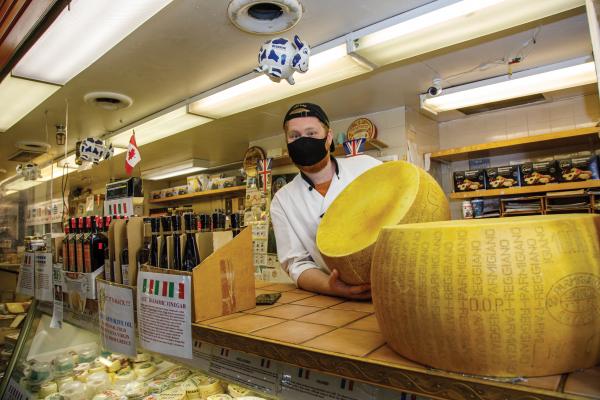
[(436, 88)]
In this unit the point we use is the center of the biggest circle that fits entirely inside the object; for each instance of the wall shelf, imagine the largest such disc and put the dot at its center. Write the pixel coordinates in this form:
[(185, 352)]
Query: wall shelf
[(371, 144), (204, 194), (549, 141), (553, 187)]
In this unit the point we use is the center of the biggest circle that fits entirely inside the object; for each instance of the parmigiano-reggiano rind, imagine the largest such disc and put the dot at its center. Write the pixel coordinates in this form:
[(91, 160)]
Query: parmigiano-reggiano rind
[(392, 193), (505, 297)]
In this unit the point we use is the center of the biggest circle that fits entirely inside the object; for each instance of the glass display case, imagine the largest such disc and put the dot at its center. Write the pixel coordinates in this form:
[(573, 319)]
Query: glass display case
[(69, 364)]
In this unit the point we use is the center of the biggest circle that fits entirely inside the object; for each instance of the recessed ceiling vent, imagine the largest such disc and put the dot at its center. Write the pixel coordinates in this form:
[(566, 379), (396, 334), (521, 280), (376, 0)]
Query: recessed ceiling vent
[(498, 105), (27, 151), (109, 101), (265, 17)]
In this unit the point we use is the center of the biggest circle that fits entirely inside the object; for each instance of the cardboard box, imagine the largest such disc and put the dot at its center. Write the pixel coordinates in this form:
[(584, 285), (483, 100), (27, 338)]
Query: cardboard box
[(197, 183), (465, 181), (223, 283), (578, 169), (539, 173), (503, 177)]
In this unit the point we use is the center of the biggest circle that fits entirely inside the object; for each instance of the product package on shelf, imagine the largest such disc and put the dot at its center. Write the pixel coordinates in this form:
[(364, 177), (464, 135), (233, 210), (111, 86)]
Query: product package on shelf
[(578, 169), (539, 173), (465, 181), (503, 177)]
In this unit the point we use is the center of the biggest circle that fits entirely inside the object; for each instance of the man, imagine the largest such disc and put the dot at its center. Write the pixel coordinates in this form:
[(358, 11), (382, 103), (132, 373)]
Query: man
[(297, 208)]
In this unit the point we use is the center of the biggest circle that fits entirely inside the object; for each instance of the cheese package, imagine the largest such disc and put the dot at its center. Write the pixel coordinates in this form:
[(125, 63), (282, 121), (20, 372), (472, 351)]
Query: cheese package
[(206, 385), (219, 397), (499, 297), (176, 393), (466, 181), (503, 177), (538, 173), (237, 391), (15, 308), (578, 169), (395, 192)]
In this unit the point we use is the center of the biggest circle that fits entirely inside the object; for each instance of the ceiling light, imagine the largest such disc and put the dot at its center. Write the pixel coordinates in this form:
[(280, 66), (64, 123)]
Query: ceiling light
[(19, 96), (158, 126), (54, 171), (81, 34), (545, 79), (21, 184), (186, 167), (445, 23), (326, 67)]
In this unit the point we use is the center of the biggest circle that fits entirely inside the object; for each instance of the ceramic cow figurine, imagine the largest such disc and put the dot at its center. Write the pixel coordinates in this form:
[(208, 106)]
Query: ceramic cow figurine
[(29, 171), (280, 58), (94, 150)]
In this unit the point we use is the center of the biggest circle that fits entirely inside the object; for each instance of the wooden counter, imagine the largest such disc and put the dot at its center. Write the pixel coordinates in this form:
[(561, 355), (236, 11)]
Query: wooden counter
[(342, 337)]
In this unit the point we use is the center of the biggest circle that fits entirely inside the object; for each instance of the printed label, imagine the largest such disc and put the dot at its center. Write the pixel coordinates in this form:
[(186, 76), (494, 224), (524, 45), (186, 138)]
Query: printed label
[(125, 273), (79, 266), (107, 269), (87, 258)]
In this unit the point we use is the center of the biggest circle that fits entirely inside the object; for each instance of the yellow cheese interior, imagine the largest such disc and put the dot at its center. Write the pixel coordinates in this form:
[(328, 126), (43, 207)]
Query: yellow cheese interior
[(380, 196)]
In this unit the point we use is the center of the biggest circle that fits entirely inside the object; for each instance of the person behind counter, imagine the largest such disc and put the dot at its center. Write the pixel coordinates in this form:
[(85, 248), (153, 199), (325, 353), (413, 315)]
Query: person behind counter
[(297, 208)]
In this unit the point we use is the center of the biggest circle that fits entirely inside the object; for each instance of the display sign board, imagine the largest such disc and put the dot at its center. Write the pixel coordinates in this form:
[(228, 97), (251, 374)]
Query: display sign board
[(164, 313), (245, 369), (43, 276), (116, 318), (25, 283), (57, 309)]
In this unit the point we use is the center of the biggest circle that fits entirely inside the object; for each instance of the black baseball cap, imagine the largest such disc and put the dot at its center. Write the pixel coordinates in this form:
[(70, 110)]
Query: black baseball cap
[(302, 110)]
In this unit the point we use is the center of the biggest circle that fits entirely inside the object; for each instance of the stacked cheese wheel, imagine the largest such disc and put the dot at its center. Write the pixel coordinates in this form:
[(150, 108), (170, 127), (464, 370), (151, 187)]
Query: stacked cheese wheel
[(389, 194), (501, 297)]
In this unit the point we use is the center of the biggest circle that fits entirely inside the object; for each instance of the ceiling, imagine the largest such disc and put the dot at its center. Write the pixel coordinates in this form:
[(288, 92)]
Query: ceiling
[(190, 47)]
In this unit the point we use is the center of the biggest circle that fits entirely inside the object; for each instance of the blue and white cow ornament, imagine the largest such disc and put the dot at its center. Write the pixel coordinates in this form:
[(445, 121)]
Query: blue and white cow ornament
[(280, 58)]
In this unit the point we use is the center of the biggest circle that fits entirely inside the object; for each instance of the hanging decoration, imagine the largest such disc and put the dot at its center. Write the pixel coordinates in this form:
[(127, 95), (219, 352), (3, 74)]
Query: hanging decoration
[(280, 58), (133, 156), (94, 150), (29, 171), (61, 135)]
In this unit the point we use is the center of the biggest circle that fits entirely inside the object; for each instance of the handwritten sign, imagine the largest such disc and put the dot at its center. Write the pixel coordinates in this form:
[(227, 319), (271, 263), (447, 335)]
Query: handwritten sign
[(115, 316)]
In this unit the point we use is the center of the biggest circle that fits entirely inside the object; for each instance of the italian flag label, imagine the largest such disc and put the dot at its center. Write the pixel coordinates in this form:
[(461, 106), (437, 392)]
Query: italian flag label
[(163, 288)]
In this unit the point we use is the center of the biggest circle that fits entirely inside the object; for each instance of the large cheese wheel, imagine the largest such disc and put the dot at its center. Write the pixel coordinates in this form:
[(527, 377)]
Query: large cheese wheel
[(392, 193), (501, 297)]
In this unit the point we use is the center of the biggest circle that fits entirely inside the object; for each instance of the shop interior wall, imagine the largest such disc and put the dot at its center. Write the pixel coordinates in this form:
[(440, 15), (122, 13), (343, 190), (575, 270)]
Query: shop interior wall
[(571, 113)]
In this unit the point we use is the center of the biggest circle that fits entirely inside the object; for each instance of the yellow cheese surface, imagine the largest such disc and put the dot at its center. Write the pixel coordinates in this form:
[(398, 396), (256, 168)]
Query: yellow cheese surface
[(393, 193), (500, 297)]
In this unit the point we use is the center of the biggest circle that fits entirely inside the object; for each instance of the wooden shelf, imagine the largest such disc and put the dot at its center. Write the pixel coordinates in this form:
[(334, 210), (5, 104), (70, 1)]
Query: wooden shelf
[(371, 144), (550, 141), (207, 193), (552, 187)]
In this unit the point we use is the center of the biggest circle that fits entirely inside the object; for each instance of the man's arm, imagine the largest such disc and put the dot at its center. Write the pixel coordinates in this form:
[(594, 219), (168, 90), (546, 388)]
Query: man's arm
[(318, 281)]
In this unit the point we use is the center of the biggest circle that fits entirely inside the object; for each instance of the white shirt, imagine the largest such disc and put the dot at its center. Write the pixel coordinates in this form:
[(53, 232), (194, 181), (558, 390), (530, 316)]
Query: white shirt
[(296, 212)]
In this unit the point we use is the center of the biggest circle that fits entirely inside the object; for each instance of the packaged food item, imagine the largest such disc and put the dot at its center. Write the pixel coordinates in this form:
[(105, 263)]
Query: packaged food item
[(467, 209), (123, 377), (62, 381), (144, 369), (156, 194), (503, 177), (48, 388), (54, 396), (178, 374), (63, 365), (134, 390), (197, 183), (40, 372), (74, 391), (142, 357), (466, 181), (538, 173), (111, 394), (578, 169), (159, 385), (176, 393), (98, 382), (220, 396), (238, 391), (206, 385), (87, 355)]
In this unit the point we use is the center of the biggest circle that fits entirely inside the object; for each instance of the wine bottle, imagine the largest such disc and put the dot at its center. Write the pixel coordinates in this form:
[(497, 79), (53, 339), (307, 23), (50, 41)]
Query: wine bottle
[(98, 242), (166, 227), (155, 227), (143, 255), (176, 224), (79, 244), (73, 246), (125, 260), (191, 257), (86, 243), (65, 248)]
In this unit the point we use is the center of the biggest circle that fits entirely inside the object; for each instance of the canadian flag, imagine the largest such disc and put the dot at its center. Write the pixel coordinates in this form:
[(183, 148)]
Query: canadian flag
[(133, 155)]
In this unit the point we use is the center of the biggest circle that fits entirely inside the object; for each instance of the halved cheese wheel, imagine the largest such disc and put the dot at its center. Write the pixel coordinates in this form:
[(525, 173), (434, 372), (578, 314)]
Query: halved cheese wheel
[(503, 297), (392, 193)]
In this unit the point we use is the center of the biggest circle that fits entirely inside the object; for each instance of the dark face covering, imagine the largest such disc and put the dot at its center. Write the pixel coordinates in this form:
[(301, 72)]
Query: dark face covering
[(307, 151)]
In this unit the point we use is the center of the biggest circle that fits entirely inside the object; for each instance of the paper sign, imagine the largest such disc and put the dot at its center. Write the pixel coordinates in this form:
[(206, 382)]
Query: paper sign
[(25, 284), (164, 313), (57, 309), (248, 370), (76, 285), (115, 316), (15, 392), (43, 276), (305, 384), (91, 277)]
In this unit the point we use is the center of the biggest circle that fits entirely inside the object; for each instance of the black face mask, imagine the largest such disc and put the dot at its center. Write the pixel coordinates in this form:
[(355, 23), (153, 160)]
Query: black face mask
[(307, 151)]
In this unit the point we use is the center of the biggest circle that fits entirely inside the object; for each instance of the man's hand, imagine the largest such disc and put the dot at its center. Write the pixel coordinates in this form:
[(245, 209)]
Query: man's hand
[(316, 280)]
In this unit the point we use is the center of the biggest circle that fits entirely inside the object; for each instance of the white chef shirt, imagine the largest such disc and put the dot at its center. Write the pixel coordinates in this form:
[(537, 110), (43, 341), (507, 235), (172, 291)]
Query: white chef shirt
[(297, 209)]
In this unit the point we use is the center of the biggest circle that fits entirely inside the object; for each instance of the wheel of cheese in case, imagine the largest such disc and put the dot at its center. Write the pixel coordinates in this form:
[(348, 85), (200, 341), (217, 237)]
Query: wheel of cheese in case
[(501, 297), (392, 193)]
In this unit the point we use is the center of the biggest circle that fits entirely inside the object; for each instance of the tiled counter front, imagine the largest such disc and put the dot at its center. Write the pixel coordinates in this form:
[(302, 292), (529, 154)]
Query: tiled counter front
[(342, 337)]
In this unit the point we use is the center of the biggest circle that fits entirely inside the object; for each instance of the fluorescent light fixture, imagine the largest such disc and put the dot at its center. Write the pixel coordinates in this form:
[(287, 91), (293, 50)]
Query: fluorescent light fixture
[(54, 171), (21, 184), (445, 23), (186, 167), (19, 96), (82, 33), (327, 66), (169, 122), (545, 79)]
